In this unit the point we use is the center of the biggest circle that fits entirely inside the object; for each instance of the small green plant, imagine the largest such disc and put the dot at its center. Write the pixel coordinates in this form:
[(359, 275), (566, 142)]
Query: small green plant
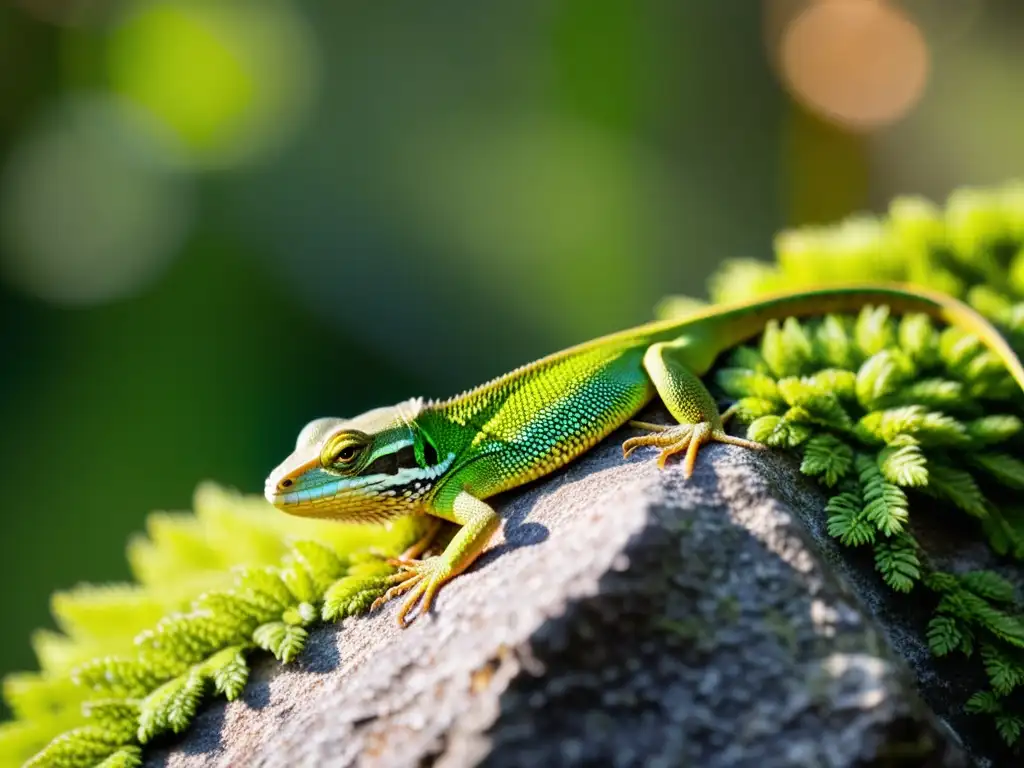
[(973, 249), (884, 414), (928, 413), (134, 661)]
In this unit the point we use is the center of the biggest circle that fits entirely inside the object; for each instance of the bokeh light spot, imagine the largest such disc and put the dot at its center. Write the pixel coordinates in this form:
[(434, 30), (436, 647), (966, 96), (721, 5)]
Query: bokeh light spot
[(231, 78), (860, 63), (86, 216)]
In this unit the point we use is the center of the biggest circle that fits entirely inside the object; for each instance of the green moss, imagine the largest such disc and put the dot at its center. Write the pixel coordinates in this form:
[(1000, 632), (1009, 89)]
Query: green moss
[(972, 248), (133, 661), (859, 432), (933, 413)]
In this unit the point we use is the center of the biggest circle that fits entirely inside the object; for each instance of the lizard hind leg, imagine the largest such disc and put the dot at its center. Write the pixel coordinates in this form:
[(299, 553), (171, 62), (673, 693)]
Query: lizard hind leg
[(689, 402)]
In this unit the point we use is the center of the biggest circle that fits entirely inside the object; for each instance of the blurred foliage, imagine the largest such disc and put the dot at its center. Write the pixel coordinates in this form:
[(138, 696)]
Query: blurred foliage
[(133, 661), (973, 248)]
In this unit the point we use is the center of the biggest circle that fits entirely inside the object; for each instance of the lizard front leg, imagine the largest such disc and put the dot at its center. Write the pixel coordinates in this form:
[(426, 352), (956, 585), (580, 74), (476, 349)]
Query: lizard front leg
[(689, 401), (425, 577)]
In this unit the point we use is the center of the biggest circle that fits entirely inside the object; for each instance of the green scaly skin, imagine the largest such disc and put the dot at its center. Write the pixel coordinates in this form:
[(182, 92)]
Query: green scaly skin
[(445, 458)]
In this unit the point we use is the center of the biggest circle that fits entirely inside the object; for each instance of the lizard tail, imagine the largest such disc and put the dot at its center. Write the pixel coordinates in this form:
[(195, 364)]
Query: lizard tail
[(734, 324)]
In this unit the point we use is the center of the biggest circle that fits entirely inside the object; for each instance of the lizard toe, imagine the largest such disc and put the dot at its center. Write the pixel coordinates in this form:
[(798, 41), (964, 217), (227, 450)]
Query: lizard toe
[(680, 438), (705, 433), (420, 580), (671, 439)]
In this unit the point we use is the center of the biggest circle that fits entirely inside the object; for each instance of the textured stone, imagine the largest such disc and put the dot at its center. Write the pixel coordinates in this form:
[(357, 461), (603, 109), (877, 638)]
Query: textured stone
[(624, 617)]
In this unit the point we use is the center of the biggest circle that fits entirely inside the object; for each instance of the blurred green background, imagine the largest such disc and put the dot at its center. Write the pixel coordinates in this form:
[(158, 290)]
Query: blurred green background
[(222, 218)]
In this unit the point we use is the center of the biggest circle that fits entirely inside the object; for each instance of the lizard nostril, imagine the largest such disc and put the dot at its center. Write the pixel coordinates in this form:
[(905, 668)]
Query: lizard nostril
[(286, 483)]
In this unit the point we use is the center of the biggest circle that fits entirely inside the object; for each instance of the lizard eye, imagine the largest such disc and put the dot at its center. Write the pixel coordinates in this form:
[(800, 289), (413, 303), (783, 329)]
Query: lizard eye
[(347, 454), (343, 451)]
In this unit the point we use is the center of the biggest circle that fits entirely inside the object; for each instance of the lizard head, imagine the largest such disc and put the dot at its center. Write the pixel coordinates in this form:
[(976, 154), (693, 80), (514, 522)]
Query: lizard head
[(371, 467)]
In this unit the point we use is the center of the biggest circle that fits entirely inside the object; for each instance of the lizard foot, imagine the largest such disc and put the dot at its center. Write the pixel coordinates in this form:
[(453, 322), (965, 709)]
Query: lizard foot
[(421, 579), (677, 438)]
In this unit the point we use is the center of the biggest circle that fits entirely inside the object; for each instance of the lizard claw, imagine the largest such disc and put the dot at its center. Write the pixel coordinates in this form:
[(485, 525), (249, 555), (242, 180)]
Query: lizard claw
[(683, 437), (421, 579)]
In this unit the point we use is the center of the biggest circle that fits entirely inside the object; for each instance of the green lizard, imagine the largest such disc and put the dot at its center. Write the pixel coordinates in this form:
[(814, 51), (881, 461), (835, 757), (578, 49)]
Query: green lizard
[(444, 458)]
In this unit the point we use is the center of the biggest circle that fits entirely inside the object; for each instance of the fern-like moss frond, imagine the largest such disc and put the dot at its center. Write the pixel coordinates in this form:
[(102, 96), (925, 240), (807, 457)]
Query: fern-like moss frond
[(833, 344), (245, 578), (1004, 671), (945, 635), (882, 411), (885, 504), (904, 464), (827, 457), (989, 585), (896, 559), (1006, 469)]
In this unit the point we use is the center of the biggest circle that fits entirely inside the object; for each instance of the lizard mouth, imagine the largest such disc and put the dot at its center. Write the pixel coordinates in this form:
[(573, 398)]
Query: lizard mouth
[(316, 490)]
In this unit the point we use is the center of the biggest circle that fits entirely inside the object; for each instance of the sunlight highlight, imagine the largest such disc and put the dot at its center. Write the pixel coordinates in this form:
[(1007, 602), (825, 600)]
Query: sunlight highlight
[(862, 64)]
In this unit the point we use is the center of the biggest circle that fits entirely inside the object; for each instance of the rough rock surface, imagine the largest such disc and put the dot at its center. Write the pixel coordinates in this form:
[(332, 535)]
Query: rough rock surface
[(623, 618)]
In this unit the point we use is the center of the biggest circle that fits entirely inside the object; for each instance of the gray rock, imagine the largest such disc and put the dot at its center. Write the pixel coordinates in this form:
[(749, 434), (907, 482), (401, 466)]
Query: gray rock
[(624, 617)]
